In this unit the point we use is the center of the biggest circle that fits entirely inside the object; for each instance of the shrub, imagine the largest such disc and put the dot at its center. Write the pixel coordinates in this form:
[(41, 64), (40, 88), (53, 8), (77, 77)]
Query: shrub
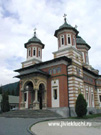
[(5, 107), (81, 106)]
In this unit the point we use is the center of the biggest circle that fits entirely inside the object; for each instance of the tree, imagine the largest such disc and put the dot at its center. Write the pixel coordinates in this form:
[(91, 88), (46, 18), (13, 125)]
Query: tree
[(17, 89), (8, 92), (13, 92), (5, 107), (81, 106), (0, 89)]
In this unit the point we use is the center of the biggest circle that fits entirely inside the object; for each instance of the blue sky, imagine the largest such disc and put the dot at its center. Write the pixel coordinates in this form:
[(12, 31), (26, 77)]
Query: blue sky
[(18, 18)]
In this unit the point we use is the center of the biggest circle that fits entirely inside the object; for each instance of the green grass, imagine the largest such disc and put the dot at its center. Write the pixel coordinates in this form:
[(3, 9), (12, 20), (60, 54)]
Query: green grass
[(87, 116)]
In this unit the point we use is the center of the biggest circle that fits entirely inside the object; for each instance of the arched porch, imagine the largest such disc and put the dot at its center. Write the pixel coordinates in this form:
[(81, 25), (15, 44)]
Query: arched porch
[(34, 94)]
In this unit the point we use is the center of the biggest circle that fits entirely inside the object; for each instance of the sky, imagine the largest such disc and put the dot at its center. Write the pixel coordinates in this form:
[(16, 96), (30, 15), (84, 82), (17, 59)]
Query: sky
[(18, 18)]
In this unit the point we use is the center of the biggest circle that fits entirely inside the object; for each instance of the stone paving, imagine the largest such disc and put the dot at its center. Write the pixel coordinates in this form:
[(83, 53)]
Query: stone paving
[(16, 126), (17, 122), (19, 126), (43, 128)]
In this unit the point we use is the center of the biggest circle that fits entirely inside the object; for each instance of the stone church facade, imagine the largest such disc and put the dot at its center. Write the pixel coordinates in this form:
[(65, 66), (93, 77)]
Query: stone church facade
[(55, 84)]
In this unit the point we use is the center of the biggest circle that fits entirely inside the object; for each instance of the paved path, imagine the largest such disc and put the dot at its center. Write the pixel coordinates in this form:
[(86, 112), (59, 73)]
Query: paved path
[(19, 126), (16, 126), (43, 128)]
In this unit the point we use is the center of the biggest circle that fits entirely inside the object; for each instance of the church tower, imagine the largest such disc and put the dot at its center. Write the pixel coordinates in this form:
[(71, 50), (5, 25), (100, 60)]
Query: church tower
[(67, 46), (34, 48), (66, 35)]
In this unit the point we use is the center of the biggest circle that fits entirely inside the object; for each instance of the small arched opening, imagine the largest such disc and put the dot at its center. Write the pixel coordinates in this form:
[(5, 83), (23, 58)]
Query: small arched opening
[(29, 94), (41, 95)]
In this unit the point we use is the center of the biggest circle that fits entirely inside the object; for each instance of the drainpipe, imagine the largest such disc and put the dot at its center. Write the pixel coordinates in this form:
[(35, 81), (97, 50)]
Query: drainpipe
[(68, 93)]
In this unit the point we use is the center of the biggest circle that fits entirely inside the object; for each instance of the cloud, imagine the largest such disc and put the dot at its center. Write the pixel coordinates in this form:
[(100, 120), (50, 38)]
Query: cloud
[(18, 18)]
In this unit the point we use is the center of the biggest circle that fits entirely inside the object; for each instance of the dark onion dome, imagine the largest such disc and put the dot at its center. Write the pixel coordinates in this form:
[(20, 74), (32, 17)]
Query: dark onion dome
[(65, 26), (81, 41), (34, 39)]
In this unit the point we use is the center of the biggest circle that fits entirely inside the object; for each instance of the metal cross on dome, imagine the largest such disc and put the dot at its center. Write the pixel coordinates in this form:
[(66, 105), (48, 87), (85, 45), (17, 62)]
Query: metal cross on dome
[(76, 26), (65, 17), (35, 32)]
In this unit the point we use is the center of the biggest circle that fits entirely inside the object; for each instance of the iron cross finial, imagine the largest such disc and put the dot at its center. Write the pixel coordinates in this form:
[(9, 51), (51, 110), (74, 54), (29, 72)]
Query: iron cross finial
[(35, 32), (76, 26), (35, 29), (65, 17)]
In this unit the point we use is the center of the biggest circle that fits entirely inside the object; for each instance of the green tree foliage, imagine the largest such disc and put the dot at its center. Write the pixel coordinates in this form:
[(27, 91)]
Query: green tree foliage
[(17, 89), (11, 87), (13, 92), (0, 89), (5, 107), (8, 92), (81, 106)]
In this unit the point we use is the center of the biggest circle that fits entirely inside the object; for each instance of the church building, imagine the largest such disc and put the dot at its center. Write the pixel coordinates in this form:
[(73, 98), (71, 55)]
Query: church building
[(55, 84)]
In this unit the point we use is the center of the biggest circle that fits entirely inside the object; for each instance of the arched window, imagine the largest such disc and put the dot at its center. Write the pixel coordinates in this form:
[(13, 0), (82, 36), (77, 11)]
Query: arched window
[(69, 39), (58, 69), (74, 42), (62, 40), (34, 51), (39, 52), (87, 58), (83, 56), (50, 71), (29, 51)]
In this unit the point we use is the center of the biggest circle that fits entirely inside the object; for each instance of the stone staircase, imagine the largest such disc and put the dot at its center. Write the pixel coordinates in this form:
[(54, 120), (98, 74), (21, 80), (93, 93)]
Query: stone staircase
[(30, 114)]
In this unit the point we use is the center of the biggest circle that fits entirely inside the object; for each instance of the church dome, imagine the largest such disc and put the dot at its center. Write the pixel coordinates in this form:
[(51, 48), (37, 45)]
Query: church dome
[(34, 39), (65, 26), (81, 41)]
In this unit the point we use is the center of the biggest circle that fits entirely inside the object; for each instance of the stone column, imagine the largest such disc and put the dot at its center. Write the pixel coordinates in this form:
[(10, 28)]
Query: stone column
[(36, 103), (36, 95)]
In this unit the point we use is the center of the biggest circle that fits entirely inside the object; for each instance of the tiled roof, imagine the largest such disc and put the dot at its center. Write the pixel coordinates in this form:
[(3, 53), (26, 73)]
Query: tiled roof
[(33, 71), (34, 39), (81, 41), (65, 26)]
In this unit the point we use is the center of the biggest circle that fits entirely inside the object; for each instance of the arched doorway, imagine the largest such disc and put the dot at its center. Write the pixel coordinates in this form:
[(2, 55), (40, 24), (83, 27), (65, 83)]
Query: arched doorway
[(41, 95), (28, 94)]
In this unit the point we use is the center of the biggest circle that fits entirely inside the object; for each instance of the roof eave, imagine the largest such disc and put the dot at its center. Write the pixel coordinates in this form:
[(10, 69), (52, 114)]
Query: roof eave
[(45, 74), (91, 72), (46, 62), (55, 34), (84, 44), (25, 45)]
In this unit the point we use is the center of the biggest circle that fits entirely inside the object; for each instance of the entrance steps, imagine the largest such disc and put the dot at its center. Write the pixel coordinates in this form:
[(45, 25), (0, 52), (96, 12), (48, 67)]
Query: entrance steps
[(30, 114)]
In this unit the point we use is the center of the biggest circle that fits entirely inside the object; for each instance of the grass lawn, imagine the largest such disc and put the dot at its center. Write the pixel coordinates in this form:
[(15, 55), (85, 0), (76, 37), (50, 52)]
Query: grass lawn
[(87, 116)]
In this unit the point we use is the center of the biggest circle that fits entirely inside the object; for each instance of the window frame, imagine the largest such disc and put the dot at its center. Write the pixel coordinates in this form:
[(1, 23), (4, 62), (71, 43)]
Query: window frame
[(39, 50), (74, 41), (54, 70), (34, 49), (29, 52), (58, 69), (50, 71), (62, 40), (87, 61), (68, 36)]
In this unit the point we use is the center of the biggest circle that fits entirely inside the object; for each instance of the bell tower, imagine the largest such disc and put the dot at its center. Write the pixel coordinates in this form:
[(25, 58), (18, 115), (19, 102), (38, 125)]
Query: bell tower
[(66, 35), (67, 46), (34, 48)]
